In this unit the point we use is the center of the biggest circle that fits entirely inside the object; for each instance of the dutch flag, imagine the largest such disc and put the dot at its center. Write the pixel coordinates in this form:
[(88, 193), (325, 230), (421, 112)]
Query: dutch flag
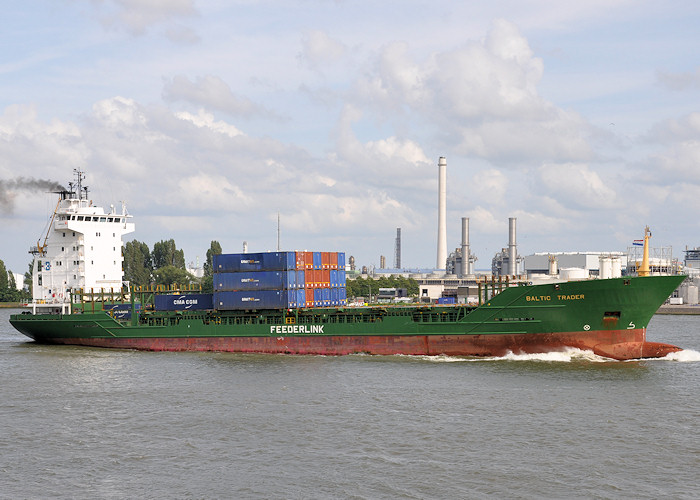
[(638, 243)]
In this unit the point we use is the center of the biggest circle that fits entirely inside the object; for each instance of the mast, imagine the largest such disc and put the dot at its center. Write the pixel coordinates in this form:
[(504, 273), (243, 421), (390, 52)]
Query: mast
[(644, 268)]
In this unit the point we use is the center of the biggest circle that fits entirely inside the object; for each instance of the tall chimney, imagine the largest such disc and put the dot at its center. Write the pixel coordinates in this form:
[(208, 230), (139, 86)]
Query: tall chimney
[(442, 214), (397, 249), (465, 247), (512, 248)]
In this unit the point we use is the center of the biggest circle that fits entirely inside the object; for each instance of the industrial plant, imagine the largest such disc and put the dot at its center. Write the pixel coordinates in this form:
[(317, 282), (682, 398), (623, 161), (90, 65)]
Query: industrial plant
[(455, 279)]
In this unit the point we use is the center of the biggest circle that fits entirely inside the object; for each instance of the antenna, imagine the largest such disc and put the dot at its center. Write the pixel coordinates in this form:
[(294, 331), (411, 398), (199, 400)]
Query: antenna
[(278, 231)]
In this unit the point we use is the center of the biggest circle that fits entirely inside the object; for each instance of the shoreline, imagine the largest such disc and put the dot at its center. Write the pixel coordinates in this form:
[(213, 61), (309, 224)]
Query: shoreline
[(681, 309)]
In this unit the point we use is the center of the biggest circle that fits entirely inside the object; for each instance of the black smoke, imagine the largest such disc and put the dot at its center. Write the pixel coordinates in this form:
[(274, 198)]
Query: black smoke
[(9, 188)]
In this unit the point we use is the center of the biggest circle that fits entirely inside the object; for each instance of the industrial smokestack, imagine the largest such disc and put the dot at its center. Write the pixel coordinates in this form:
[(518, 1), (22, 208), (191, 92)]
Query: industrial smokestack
[(512, 248), (442, 214), (465, 247), (397, 249)]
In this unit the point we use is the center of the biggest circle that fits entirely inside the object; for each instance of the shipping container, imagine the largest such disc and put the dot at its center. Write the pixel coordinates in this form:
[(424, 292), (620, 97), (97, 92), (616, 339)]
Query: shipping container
[(309, 297), (446, 300), (318, 262), (121, 311), (341, 277), (325, 260), (301, 279), (301, 297), (255, 299), (342, 296), (334, 278), (326, 297), (308, 260), (255, 280), (341, 260), (335, 297), (333, 260), (315, 277), (318, 297), (183, 302), (301, 260), (325, 278), (266, 261)]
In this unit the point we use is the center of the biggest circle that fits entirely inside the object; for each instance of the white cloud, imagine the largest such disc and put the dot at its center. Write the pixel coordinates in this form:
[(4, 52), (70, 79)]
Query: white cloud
[(211, 92), (481, 98), (577, 185), (204, 119), (319, 49)]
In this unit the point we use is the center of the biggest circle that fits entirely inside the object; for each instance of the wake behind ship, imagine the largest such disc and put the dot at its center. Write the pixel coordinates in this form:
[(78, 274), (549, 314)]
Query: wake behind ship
[(295, 303)]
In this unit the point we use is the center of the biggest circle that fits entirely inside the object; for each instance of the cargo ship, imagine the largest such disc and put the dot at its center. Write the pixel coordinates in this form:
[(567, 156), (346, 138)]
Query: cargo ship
[(295, 303)]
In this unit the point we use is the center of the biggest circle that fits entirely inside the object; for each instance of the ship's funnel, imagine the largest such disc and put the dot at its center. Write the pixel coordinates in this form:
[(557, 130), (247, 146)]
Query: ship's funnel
[(442, 214)]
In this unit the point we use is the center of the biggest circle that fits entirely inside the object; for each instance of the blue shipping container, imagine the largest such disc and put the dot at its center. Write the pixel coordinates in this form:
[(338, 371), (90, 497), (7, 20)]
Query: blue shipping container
[(255, 280), (121, 311), (446, 300), (334, 278), (301, 279), (265, 261), (301, 298), (318, 262), (318, 297), (255, 299), (326, 297), (341, 277), (342, 296), (341, 260), (335, 297), (183, 302)]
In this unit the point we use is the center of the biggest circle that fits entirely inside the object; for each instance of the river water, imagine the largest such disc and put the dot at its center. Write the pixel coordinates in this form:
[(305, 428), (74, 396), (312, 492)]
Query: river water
[(86, 423)]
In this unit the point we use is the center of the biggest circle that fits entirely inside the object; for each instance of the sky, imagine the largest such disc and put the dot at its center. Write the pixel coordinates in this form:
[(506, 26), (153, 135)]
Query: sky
[(210, 118)]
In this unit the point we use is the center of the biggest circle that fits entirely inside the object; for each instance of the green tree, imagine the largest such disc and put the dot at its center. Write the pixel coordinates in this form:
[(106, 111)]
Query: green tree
[(361, 287), (4, 290), (138, 267), (165, 253), (171, 275), (214, 249), (28, 278)]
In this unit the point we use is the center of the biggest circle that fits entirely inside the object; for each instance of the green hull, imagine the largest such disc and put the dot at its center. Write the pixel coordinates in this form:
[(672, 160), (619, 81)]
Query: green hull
[(604, 315)]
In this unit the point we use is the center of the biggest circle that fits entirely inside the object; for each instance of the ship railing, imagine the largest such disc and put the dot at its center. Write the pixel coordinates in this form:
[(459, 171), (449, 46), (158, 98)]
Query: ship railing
[(95, 300), (487, 289)]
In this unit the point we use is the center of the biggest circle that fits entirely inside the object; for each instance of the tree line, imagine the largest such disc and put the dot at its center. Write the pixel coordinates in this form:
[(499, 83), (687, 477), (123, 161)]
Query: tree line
[(361, 287), (8, 286), (164, 265)]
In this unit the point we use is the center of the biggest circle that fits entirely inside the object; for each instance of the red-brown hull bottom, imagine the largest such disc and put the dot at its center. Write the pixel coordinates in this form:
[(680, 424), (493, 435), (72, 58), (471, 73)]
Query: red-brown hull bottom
[(615, 344)]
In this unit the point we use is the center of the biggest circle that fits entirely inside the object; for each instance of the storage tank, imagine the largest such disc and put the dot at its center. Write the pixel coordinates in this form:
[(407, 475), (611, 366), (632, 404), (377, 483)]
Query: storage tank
[(573, 273), (616, 267), (605, 267), (689, 294)]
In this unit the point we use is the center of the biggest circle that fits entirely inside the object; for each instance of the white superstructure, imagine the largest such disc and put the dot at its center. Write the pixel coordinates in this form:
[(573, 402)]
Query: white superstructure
[(82, 248)]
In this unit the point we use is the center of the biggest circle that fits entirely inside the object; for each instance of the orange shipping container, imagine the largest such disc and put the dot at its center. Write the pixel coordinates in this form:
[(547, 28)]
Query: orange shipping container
[(309, 297), (325, 260), (325, 278), (308, 260), (334, 260), (310, 278)]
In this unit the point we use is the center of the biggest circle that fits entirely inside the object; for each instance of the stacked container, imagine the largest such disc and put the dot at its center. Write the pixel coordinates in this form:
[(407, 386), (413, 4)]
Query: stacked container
[(279, 280)]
